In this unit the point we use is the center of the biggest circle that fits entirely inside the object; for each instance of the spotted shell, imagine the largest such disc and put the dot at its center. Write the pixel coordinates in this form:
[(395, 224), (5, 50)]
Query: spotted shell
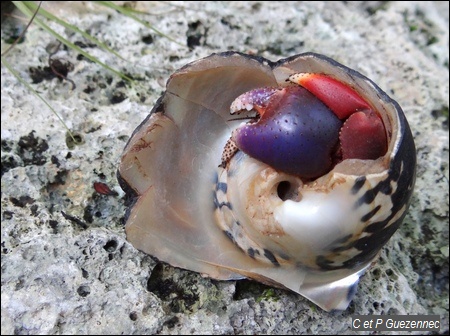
[(224, 222)]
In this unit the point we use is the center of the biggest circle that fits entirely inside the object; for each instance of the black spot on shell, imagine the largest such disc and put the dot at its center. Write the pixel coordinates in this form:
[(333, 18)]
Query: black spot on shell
[(340, 242), (284, 256), (269, 255), (226, 204), (359, 182), (386, 188), (229, 235), (222, 187), (370, 214), (367, 198), (324, 263), (218, 205), (377, 226)]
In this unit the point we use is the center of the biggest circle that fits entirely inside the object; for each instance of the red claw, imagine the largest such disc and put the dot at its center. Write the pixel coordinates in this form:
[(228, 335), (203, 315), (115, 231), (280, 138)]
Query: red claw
[(363, 135), (339, 97)]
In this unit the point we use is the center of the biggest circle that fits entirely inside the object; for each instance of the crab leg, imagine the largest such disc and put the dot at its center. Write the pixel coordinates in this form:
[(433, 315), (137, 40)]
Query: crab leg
[(256, 100), (228, 152)]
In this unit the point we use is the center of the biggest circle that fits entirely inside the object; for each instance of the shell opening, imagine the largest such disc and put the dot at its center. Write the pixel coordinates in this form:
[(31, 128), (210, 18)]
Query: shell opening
[(287, 190)]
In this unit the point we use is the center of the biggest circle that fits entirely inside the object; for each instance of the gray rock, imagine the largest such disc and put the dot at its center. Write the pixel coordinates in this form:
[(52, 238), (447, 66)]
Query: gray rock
[(66, 265)]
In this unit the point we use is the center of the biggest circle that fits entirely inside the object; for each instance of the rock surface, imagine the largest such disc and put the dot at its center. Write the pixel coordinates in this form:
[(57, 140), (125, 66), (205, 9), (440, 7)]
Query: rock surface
[(66, 265)]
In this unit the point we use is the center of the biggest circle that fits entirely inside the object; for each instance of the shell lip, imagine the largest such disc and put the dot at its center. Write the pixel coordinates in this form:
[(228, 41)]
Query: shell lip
[(351, 72), (401, 122), (131, 195), (158, 107), (224, 54)]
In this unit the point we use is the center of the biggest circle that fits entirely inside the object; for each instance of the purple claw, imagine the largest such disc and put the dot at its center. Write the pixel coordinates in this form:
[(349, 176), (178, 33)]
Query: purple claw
[(296, 134), (256, 99)]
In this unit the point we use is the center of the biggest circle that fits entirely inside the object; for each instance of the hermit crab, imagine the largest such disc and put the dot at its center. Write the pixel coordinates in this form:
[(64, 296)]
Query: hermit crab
[(293, 173)]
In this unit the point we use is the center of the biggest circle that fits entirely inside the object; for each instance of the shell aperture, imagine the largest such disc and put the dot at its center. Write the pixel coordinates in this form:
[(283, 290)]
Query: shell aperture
[(313, 235), (297, 131), (363, 135)]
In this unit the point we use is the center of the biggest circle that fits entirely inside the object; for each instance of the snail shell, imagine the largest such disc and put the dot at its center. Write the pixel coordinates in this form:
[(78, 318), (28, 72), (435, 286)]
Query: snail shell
[(231, 214)]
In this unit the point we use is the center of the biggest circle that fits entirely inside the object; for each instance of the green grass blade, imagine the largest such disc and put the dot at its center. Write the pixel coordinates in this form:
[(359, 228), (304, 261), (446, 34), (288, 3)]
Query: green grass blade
[(33, 6), (22, 34), (25, 10), (29, 87), (130, 14)]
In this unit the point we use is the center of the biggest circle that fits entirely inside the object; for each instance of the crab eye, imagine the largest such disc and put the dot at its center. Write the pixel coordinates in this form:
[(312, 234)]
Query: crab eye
[(304, 195)]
